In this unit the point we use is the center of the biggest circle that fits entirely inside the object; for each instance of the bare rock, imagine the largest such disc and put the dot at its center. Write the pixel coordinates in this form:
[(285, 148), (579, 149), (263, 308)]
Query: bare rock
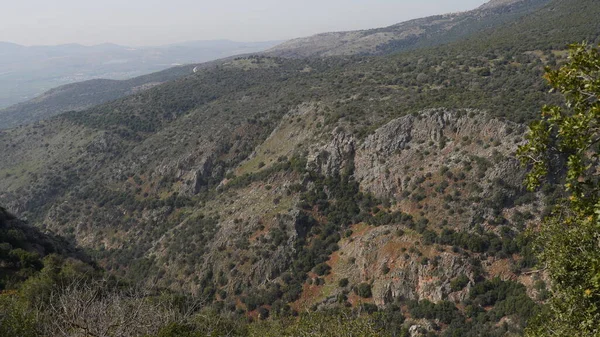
[(335, 156)]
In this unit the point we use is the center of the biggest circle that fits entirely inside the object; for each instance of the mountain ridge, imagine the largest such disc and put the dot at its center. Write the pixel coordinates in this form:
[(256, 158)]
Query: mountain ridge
[(428, 31), (34, 110), (26, 71), (273, 186)]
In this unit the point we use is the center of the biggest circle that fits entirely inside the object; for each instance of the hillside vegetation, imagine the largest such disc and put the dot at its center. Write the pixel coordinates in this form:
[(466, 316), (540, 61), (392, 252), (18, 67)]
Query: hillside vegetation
[(405, 36), (83, 95), (381, 187)]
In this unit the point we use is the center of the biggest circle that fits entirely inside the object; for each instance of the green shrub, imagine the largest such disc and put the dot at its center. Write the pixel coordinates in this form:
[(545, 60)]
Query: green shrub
[(322, 269), (363, 290), (459, 283), (343, 283)]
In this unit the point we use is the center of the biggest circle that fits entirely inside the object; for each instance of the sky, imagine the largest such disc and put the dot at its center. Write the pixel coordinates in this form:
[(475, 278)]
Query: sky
[(158, 22)]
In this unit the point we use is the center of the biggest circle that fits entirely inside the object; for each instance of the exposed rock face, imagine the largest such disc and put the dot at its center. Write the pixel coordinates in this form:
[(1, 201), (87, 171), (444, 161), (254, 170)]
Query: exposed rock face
[(242, 239), (279, 260), (417, 331), (251, 242), (194, 169), (198, 177), (407, 277), (418, 282), (454, 161), (334, 156), (403, 142), (272, 263), (104, 142), (418, 157)]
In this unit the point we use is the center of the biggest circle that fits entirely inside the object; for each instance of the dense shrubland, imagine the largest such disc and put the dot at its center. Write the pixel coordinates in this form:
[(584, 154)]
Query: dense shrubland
[(118, 188)]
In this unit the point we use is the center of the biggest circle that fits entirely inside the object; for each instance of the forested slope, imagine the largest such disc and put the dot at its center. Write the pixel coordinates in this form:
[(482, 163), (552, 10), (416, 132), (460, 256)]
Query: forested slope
[(272, 186)]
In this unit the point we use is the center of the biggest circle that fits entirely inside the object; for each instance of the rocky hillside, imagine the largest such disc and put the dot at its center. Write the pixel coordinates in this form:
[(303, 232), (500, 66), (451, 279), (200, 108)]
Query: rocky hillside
[(272, 186), (243, 198), (430, 31), (24, 250)]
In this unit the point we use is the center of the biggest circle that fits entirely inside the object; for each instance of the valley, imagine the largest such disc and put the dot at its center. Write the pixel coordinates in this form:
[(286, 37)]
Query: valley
[(373, 174)]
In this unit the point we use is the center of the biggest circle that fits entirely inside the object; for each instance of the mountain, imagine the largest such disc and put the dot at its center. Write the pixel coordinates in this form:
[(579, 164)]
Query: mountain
[(82, 95), (275, 186), (7, 47), (430, 31), (401, 37), (26, 72)]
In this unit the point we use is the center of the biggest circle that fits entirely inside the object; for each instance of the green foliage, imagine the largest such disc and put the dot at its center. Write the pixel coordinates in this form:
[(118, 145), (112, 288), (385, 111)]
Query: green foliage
[(203, 324), (132, 205), (249, 178), (564, 144), (5, 216), (33, 266), (179, 330), (342, 206), (81, 95), (363, 290), (319, 324), (459, 283), (16, 319), (233, 110), (25, 251), (506, 297), (322, 269), (444, 311), (486, 242)]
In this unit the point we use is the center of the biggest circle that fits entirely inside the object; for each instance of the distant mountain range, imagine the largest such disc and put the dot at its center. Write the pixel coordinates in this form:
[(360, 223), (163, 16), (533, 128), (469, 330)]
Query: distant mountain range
[(26, 72), (112, 61), (409, 35)]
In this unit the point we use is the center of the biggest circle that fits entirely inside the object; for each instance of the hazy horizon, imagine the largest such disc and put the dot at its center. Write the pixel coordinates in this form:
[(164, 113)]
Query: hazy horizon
[(139, 23), (140, 46)]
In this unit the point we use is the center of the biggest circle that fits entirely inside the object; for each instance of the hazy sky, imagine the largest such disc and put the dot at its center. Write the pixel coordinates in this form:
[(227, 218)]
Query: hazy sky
[(153, 22)]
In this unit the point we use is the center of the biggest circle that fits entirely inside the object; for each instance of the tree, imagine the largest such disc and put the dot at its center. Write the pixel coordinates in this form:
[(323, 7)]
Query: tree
[(565, 145), (363, 290)]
